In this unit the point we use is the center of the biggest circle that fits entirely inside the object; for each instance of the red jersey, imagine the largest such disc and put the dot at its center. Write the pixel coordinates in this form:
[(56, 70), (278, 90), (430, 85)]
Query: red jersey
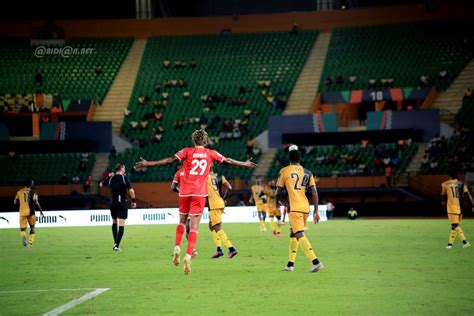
[(178, 175), (197, 162)]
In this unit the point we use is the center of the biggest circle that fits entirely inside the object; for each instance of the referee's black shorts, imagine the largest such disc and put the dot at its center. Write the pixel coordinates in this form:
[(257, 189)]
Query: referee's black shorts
[(119, 210)]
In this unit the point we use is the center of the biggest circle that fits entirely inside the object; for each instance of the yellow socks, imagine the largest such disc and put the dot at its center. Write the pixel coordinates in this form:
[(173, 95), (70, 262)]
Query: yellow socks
[(217, 239), (224, 238), (31, 239), (452, 236), (293, 249), (275, 226), (262, 226), (23, 234), (306, 246), (460, 233)]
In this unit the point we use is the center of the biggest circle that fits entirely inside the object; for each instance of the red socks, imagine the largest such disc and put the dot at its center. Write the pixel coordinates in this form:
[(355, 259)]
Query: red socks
[(192, 238), (179, 234)]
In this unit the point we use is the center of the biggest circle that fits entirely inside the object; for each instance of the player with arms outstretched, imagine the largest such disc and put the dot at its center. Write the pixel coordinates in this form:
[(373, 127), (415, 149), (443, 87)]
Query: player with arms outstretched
[(451, 191), (296, 179), (28, 203), (197, 162), (216, 208)]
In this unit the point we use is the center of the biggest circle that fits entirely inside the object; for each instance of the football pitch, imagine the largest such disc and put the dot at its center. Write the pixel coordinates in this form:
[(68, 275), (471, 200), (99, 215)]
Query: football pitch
[(373, 267)]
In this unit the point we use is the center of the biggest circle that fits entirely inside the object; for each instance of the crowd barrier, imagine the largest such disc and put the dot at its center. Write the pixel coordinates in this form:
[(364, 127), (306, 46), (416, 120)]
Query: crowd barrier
[(150, 216)]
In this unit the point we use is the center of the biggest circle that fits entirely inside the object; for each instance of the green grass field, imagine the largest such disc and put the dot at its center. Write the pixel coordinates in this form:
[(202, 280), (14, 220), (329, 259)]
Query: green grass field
[(373, 267)]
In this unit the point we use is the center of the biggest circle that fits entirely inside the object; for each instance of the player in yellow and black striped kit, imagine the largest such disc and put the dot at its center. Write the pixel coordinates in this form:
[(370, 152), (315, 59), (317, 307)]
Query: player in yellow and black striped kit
[(27, 198)]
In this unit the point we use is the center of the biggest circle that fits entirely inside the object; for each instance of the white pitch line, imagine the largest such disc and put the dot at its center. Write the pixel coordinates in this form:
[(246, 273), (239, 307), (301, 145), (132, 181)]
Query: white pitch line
[(48, 290), (77, 301)]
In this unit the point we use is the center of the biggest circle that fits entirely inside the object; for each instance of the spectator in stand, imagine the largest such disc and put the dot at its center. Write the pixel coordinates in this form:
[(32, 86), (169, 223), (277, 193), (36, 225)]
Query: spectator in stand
[(352, 79), (85, 157), (64, 179), (98, 70), (295, 29), (127, 112), (193, 63), (134, 124), (144, 124), (372, 82), (105, 175), (339, 80), (443, 74), (468, 95), (388, 175), (76, 179), (158, 88), (250, 145), (113, 152), (82, 167), (87, 185), (186, 94), (328, 81), (270, 98), (45, 118), (166, 63), (39, 78), (424, 80)]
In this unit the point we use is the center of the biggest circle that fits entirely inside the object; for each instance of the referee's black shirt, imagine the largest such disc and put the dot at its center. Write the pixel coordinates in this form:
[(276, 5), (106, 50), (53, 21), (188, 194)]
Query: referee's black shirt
[(119, 185)]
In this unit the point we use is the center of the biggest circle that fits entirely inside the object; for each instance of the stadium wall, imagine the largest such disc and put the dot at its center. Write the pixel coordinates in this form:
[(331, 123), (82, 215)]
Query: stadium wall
[(323, 21)]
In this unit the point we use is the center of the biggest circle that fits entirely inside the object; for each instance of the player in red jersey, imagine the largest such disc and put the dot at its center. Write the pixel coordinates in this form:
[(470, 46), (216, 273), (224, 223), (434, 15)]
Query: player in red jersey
[(197, 162)]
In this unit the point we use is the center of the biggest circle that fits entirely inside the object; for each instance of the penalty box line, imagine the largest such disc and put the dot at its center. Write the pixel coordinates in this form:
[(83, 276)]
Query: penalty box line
[(47, 290), (61, 309)]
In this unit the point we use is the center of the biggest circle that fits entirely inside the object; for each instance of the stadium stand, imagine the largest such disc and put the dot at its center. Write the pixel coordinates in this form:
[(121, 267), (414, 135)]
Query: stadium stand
[(402, 53), (465, 115), (457, 151), (46, 168), (443, 154), (87, 75), (350, 160), (230, 84)]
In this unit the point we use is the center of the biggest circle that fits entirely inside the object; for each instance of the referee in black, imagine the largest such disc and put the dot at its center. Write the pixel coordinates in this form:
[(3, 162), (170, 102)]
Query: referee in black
[(119, 184)]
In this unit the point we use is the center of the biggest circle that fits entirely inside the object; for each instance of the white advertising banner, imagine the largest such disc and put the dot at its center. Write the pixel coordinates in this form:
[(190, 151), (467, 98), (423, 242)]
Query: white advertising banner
[(243, 214)]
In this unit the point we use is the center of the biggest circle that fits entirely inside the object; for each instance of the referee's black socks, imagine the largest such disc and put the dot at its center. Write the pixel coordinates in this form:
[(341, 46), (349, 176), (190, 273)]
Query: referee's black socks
[(120, 234), (114, 232)]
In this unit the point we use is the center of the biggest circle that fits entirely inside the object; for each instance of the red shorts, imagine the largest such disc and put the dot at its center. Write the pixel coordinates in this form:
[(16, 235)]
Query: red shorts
[(193, 205)]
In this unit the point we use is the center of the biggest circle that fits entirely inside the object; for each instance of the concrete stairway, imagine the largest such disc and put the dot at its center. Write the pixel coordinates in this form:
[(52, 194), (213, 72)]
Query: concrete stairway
[(303, 93), (101, 163), (265, 162), (417, 159), (450, 101), (118, 97), (306, 86)]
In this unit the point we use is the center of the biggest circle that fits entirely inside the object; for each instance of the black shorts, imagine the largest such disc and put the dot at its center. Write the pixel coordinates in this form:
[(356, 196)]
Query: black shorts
[(119, 211)]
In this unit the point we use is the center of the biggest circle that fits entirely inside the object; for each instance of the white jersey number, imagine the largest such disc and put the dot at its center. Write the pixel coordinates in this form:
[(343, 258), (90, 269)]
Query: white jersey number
[(201, 164)]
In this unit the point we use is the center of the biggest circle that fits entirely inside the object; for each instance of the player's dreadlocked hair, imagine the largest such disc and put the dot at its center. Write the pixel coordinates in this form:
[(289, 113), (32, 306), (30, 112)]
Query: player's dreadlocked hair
[(200, 137)]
